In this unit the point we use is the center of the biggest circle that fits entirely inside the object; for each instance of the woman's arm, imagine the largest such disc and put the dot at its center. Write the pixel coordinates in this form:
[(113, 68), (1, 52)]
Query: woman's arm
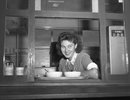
[(91, 73), (90, 68)]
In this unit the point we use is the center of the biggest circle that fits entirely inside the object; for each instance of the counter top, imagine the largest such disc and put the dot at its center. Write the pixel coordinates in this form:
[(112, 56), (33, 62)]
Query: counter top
[(55, 89)]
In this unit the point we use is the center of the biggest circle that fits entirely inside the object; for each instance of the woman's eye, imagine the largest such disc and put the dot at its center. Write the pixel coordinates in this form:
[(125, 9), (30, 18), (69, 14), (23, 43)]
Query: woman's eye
[(70, 46), (67, 47)]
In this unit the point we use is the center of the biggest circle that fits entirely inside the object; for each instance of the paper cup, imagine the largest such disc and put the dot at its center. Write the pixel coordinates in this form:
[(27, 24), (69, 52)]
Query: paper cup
[(19, 71)]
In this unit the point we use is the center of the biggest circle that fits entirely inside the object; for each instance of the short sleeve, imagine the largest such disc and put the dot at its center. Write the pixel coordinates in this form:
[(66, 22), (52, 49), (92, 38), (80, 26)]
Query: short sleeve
[(92, 65), (86, 60)]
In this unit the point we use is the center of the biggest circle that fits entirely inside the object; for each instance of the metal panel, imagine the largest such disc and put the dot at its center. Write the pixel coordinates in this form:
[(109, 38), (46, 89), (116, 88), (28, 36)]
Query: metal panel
[(118, 50)]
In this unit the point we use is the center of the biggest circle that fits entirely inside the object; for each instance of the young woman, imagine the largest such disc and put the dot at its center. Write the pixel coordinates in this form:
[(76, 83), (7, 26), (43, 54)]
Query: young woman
[(70, 46)]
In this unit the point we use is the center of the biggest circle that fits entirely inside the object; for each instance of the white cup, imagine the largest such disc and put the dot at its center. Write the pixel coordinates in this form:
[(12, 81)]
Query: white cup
[(19, 71)]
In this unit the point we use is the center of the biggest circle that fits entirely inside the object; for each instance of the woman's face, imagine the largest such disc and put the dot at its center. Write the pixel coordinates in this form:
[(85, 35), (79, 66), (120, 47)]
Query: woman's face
[(68, 48)]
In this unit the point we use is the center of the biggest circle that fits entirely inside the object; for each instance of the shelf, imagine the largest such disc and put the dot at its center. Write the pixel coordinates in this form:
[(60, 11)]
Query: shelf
[(66, 14), (42, 47)]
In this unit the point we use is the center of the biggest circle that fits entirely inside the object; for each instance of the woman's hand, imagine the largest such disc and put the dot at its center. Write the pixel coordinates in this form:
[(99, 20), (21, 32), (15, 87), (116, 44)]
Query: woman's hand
[(91, 74)]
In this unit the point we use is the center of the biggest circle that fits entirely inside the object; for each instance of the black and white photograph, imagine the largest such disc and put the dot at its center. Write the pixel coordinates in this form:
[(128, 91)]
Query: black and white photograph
[(64, 49)]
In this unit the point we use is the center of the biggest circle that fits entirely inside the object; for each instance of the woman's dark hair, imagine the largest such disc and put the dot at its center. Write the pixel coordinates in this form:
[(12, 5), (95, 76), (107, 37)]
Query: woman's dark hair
[(70, 36)]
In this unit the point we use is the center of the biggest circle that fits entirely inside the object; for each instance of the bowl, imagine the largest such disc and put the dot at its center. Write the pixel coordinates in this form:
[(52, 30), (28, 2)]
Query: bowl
[(72, 74), (41, 71), (54, 74)]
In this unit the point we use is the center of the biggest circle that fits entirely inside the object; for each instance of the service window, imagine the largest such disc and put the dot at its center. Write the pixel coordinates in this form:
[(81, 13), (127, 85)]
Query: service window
[(47, 31)]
